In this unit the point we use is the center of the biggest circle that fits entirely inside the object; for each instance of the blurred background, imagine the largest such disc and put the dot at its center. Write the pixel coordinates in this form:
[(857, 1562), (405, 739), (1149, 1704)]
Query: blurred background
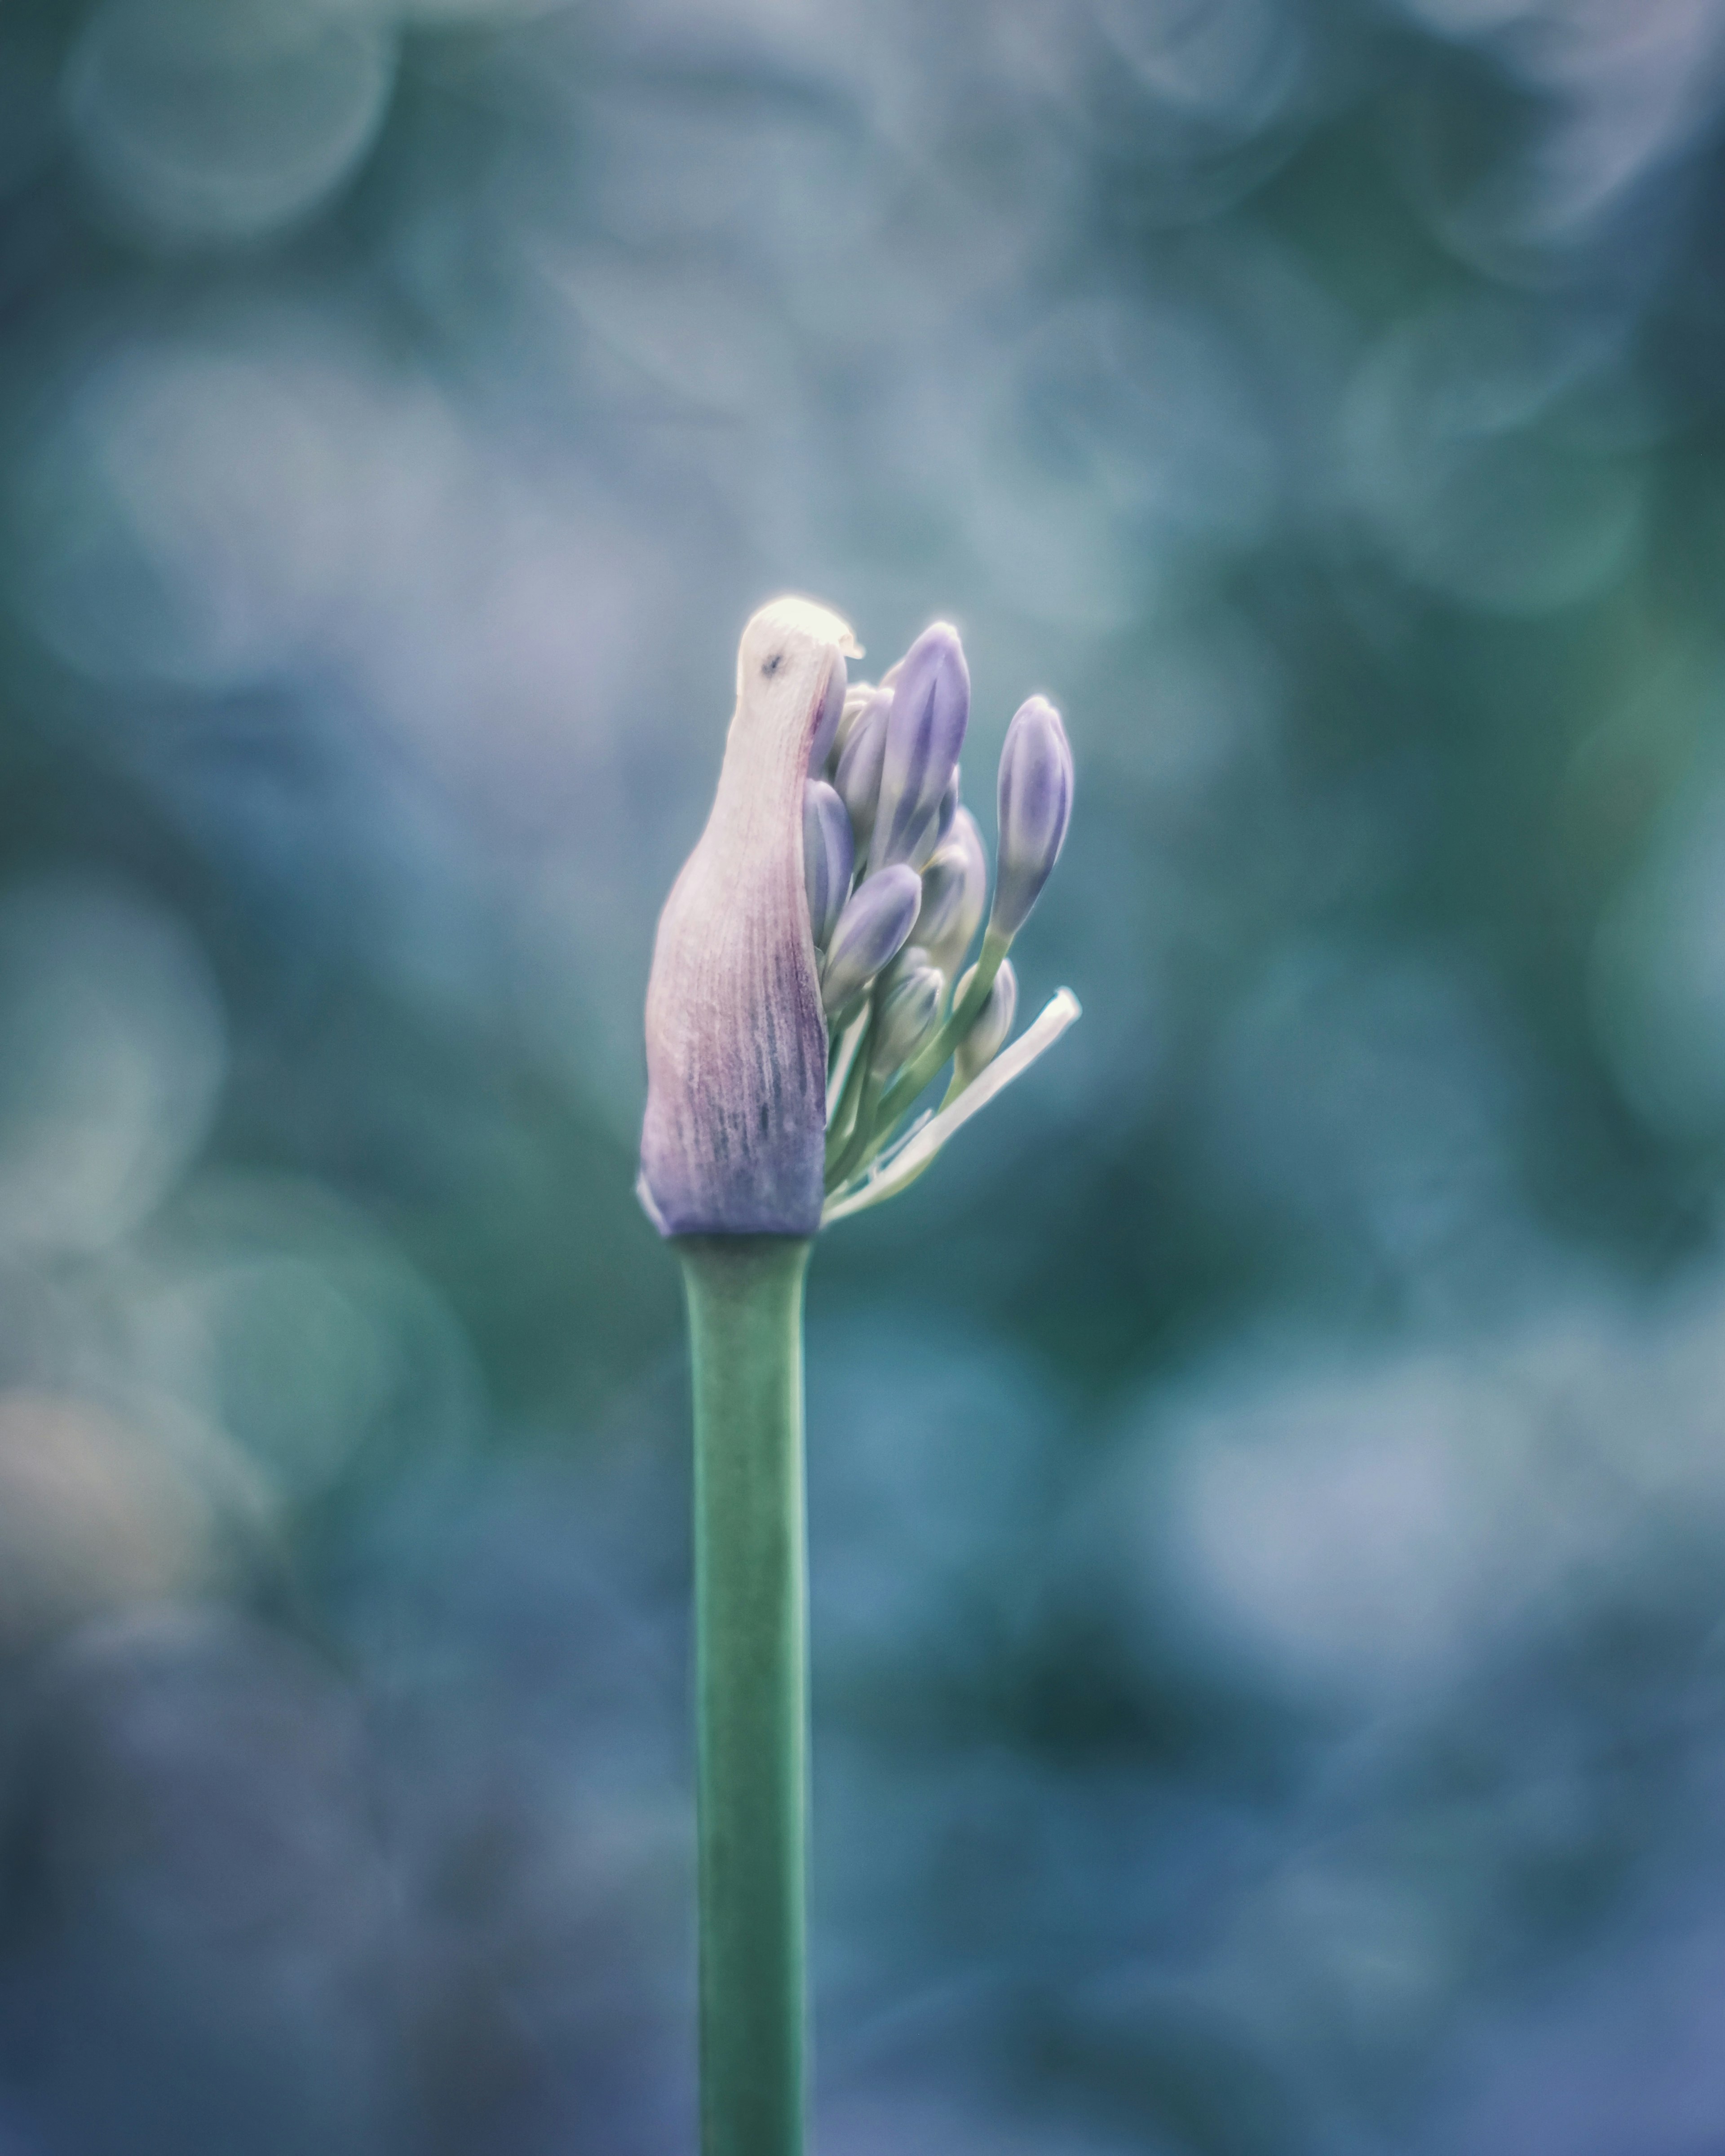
[(1268, 1486)]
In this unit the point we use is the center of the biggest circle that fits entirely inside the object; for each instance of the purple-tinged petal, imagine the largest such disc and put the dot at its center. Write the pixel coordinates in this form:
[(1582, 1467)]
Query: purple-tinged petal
[(924, 731), (1036, 803), (734, 1139)]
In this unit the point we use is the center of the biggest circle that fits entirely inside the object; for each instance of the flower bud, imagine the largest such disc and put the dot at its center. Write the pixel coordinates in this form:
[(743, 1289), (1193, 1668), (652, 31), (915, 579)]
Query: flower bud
[(987, 1036), (832, 710), (872, 929), (858, 696), (858, 777), (955, 890), (924, 731), (907, 1011), (734, 1141), (948, 809), (828, 855), (1035, 802)]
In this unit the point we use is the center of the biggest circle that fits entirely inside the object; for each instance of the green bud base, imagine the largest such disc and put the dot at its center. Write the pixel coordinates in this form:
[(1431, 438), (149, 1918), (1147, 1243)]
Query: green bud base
[(745, 1302)]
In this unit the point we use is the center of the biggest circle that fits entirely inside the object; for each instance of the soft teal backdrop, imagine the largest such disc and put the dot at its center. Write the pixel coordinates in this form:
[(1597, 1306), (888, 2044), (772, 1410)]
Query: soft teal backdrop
[(1268, 1483)]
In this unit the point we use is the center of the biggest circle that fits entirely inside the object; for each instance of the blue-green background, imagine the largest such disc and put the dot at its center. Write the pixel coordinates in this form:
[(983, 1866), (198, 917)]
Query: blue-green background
[(1268, 1485)]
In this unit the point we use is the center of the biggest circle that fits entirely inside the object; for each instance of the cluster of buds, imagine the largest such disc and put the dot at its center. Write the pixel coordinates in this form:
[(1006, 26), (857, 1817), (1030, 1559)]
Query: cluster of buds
[(810, 976)]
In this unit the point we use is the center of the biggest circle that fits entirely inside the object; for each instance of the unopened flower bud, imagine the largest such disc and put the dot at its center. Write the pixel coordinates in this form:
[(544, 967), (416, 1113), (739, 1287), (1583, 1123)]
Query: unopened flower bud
[(924, 731), (826, 726), (828, 855), (987, 1036), (858, 777), (735, 1137), (873, 928), (907, 1014), (955, 890), (1035, 802), (858, 696), (948, 809)]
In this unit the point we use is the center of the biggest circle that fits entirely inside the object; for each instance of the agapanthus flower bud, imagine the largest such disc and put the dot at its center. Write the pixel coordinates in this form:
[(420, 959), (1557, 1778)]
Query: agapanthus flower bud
[(924, 731), (955, 890), (1035, 802), (907, 1011), (858, 696), (828, 856), (873, 928), (949, 809), (858, 777), (734, 1140), (987, 1036), (826, 728)]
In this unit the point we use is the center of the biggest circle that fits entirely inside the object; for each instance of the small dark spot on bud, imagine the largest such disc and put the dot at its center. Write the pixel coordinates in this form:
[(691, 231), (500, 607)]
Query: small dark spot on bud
[(774, 663)]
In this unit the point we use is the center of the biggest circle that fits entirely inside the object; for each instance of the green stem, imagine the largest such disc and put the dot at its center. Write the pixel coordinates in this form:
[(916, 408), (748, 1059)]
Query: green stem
[(745, 1300)]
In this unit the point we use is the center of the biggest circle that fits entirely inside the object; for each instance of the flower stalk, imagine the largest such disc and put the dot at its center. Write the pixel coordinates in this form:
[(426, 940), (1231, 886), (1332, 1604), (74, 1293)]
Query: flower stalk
[(808, 982), (744, 1295)]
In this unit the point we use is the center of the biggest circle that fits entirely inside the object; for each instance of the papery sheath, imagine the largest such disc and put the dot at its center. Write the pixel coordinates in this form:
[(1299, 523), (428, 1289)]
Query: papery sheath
[(734, 1136)]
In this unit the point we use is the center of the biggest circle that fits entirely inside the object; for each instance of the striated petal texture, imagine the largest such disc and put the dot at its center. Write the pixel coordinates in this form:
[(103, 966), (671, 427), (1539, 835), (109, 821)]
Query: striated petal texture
[(734, 1138)]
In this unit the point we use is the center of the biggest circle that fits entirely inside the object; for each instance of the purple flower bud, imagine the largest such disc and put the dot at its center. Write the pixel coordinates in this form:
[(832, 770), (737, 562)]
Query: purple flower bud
[(828, 856), (993, 1023), (826, 727), (948, 809), (858, 778), (1035, 802), (858, 696), (955, 890), (907, 1011), (930, 706), (735, 1137), (872, 929)]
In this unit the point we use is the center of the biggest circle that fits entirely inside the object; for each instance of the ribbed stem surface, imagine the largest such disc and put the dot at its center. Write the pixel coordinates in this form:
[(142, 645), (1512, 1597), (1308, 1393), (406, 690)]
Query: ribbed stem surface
[(745, 1300)]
